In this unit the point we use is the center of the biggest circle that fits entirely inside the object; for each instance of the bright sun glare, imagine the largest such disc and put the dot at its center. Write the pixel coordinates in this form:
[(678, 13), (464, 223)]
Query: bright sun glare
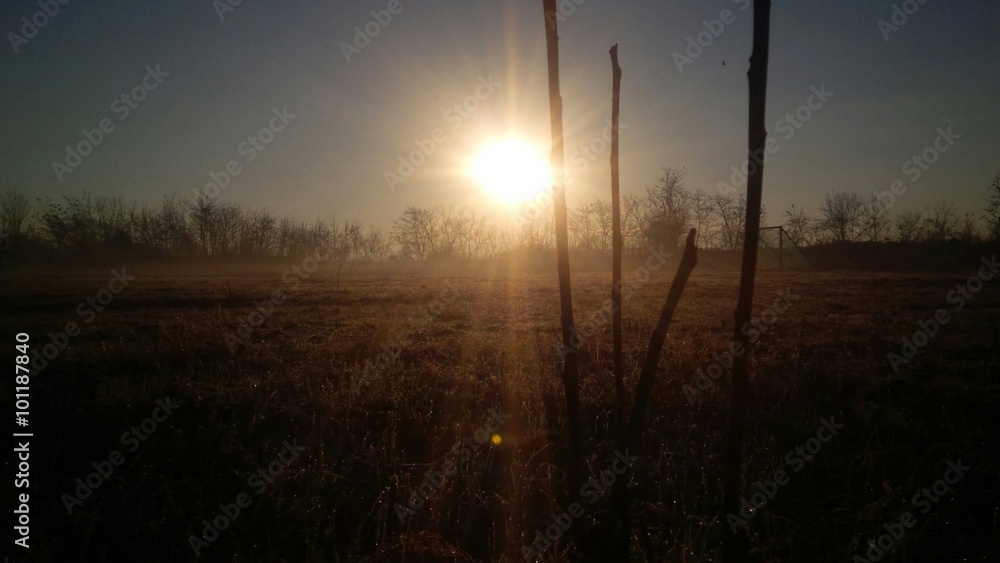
[(510, 170)]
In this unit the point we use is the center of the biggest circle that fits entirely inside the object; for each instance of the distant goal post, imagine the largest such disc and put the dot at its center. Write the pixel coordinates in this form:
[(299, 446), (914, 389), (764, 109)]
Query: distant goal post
[(780, 250)]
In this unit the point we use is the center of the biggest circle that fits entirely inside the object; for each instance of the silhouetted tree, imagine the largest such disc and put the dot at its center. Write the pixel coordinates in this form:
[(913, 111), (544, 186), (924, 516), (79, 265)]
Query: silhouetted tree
[(670, 206), (968, 227), (633, 225), (842, 216), (414, 232), (731, 212), (874, 217), (15, 208), (993, 208), (941, 221), (798, 225), (703, 211), (909, 226)]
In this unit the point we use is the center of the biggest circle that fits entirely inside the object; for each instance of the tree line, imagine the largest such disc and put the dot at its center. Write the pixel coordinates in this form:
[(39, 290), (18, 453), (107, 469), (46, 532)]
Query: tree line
[(93, 224)]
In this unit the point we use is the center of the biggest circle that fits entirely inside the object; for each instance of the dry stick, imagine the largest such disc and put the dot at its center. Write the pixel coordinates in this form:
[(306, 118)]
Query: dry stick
[(735, 542), (616, 545), (616, 249), (570, 369), (648, 375), (618, 540)]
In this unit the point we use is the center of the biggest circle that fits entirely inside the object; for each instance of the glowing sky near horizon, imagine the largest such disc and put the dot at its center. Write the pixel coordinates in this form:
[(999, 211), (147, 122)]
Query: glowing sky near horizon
[(443, 78)]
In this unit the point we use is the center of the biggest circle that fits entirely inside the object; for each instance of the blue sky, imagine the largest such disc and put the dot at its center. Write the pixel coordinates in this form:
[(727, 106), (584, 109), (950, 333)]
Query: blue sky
[(226, 76)]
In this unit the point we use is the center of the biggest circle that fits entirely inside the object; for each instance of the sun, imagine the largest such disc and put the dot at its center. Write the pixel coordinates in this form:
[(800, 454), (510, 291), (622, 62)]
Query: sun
[(510, 170)]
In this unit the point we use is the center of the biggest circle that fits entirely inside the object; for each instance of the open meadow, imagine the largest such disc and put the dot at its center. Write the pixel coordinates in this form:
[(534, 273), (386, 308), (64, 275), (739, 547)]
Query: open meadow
[(210, 417), (479, 281)]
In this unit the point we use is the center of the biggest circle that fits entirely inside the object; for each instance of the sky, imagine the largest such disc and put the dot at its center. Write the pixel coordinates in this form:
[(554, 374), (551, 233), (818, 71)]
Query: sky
[(332, 95)]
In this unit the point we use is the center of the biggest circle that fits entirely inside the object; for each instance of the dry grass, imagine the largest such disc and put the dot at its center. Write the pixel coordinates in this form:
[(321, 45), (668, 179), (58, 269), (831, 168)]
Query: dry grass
[(496, 345)]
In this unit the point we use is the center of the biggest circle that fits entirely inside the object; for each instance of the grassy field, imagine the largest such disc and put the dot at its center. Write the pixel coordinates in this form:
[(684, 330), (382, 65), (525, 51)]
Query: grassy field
[(281, 417)]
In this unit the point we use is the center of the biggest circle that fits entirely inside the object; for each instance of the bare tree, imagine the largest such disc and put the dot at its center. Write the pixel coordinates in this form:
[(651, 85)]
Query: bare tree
[(702, 211), (491, 241), (480, 237), (842, 216), (376, 246), (415, 232), (581, 228), (941, 220), (72, 225), (451, 225), (874, 217), (993, 208), (175, 235), (111, 215), (798, 225), (202, 211), (909, 226), (350, 240), (633, 226), (539, 234), (15, 208), (54, 224), (670, 205), (227, 224), (731, 212), (601, 211), (968, 227), (265, 233)]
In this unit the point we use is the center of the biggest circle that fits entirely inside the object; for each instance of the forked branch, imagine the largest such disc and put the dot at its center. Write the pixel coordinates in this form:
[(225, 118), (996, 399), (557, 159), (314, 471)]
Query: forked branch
[(616, 546)]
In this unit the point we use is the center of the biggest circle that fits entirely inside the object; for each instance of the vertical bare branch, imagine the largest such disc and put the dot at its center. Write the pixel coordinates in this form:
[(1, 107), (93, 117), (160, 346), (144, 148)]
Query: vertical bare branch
[(616, 248), (735, 540), (570, 368)]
